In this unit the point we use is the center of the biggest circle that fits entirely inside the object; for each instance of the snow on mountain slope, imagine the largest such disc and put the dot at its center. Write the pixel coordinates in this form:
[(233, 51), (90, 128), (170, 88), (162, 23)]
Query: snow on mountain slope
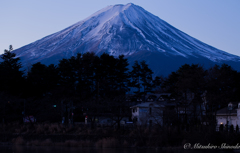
[(120, 29)]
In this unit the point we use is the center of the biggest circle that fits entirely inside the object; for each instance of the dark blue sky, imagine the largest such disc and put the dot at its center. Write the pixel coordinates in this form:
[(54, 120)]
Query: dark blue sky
[(215, 22)]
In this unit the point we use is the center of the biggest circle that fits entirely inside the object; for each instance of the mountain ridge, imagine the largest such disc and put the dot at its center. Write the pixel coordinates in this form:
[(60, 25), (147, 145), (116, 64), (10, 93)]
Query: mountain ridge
[(122, 29)]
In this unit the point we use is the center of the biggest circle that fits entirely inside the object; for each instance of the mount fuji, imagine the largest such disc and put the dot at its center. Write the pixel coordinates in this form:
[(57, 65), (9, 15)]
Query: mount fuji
[(129, 30)]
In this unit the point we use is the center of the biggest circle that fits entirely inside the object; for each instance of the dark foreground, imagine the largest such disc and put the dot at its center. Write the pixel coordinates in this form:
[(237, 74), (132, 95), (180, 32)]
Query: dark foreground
[(83, 136), (59, 149)]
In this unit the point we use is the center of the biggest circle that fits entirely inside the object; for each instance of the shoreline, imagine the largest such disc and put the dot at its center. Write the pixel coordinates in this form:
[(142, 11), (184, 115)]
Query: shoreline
[(82, 141)]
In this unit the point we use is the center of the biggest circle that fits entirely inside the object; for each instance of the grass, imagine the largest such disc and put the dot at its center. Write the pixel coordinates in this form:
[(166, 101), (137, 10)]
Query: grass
[(54, 134), (103, 143)]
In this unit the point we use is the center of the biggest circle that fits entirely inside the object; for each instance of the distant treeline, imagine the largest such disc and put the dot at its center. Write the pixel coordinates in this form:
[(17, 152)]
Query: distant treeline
[(92, 82)]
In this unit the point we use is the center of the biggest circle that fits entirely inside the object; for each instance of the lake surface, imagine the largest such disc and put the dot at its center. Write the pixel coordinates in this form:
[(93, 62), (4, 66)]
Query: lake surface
[(47, 149), (57, 149)]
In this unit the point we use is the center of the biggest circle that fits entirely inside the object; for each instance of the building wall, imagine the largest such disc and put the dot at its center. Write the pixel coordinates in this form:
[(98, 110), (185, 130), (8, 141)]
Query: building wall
[(135, 112), (148, 115), (232, 120)]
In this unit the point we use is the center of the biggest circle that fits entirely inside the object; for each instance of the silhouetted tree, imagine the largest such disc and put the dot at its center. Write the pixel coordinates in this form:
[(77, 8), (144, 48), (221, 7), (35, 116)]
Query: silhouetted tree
[(122, 76), (108, 73), (158, 83), (68, 76), (221, 84), (146, 78), (42, 79), (11, 75), (135, 75), (169, 84)]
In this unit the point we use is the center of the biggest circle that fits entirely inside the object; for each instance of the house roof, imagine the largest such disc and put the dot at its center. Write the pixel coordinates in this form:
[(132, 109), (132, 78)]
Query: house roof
[(226, 111), (147, 104)]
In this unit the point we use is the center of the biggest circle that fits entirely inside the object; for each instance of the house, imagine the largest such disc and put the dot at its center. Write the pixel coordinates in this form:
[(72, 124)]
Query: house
[(229, 116), (147, 113), (165, 109), (152, 110)]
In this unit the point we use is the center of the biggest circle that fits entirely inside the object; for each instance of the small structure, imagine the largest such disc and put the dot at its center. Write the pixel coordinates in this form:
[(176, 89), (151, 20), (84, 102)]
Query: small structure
[(229, 116), (151, 111), (148, 113)]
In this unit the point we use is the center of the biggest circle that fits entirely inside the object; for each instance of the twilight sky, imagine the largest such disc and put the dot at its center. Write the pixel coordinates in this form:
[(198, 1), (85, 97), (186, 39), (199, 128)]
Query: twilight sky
[(215, 22)]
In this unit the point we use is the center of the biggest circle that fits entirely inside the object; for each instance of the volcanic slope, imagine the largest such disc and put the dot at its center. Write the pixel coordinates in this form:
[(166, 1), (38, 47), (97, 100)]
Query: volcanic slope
[(129, 30)]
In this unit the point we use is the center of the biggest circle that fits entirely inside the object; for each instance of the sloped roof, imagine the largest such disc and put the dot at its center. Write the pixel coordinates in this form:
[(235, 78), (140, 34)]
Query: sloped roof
[(225, 111), (147, 104)]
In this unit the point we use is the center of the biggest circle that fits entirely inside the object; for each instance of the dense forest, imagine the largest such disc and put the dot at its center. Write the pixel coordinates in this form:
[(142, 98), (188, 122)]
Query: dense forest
[(99, 84)]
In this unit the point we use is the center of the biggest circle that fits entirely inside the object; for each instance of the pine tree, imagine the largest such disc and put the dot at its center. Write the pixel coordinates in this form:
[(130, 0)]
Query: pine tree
[(42, 79), (68, 76), (86, 74), (146, 78), (135, 75), (108, 80), (122, 76), (157, 83), (10, 74)]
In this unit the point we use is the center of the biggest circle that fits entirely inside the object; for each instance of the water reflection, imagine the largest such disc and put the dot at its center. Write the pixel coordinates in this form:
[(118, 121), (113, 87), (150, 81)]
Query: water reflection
[(38, 149), (57, 149)]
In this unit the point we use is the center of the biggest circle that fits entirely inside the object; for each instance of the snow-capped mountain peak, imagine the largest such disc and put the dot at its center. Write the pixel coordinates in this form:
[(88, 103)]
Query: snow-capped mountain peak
[(120, 29)]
